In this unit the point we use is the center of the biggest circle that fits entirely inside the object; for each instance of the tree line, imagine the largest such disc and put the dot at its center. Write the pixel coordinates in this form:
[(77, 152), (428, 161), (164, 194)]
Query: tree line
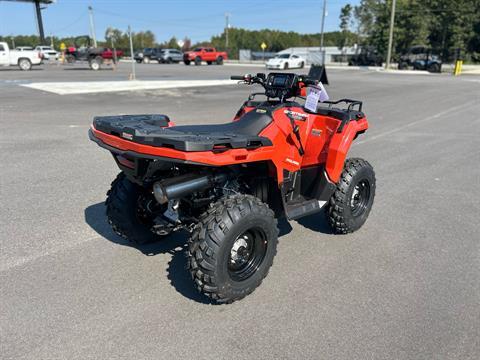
[(237, 39), (443, 25)]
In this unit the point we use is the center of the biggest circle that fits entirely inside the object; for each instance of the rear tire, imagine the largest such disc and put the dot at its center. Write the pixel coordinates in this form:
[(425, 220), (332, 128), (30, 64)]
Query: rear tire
[(122, 212), (232, 248), (25, 64), (219, 60), (95, 63), (186, 62), (434, 68), (350, 204)]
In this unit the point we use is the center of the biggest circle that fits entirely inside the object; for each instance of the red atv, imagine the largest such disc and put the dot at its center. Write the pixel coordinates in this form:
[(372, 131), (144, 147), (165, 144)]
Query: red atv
[(228, 183)]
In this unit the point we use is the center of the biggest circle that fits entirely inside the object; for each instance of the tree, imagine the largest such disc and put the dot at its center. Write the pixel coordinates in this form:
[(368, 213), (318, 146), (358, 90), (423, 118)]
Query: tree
[(345, 22)]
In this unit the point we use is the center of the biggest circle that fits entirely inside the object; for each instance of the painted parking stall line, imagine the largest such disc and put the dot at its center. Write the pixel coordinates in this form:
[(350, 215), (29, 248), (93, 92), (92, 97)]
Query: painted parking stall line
[(90, 87)]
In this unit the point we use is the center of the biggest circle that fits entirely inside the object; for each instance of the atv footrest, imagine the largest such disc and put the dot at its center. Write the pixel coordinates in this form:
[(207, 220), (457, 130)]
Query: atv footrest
[(297, 210)]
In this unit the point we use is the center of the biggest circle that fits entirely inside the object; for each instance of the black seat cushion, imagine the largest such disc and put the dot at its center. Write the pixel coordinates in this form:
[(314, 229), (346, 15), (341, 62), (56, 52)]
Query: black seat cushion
[(252, 123), (242, 133)]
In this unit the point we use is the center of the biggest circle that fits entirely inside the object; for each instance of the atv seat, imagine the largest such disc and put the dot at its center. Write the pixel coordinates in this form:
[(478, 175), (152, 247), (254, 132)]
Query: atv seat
[(147, 129)]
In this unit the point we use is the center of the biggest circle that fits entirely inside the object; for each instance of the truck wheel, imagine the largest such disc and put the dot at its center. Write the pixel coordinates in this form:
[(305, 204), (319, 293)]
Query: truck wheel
[(198, 61), (70, 59), (352, 201), (434, 68), (24, 64), (125, 214), (219, 60), (186, 62), (232, 247), (95, 63)]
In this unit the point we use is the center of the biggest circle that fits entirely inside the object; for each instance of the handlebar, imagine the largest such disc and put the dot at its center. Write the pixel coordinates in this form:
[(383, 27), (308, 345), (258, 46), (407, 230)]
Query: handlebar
[(237, 77)]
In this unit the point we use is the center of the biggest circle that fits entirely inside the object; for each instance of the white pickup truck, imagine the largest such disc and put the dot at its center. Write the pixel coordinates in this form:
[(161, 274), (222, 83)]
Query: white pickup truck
[(23, 59)]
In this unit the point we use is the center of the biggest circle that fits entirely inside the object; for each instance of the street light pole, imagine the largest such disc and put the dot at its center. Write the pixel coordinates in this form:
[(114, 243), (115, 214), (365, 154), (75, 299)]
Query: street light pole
[(227, 25), (133, 75), (92, 26), (321, 33), (390, 36)]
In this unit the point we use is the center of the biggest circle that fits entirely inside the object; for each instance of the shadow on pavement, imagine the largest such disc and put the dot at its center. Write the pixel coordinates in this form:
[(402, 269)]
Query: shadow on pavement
[(316, 222), (175, 245)]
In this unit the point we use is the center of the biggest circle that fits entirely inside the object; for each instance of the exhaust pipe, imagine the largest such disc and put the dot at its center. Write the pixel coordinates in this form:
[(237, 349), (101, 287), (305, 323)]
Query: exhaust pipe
[(180, 186)]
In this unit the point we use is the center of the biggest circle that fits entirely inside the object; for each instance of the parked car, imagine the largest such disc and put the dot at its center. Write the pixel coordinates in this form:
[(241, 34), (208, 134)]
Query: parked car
[(368, 56), (23, 59), (147, 55), (286, 61), (420, 58), (47, 52), (208, 54), (24, 48), (170, 56)]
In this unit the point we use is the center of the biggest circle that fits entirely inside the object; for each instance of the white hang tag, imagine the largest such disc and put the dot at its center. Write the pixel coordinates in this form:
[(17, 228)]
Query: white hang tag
[(315, 95)]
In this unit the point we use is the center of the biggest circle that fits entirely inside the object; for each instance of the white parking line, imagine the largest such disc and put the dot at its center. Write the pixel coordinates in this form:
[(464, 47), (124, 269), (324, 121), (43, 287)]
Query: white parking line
[(427, 119), (89, 87)]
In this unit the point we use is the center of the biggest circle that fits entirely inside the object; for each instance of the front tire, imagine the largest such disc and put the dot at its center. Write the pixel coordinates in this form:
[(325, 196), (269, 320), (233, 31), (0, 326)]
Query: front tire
[(186, 62), (350, 204), (198, 61), (124, 214), (232, 248)]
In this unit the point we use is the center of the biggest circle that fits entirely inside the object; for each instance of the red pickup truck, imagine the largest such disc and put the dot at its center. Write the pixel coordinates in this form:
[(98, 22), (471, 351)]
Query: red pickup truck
[(208, 54)]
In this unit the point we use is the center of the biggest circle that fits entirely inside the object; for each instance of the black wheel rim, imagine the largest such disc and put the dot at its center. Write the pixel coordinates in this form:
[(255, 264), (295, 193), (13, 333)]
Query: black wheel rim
[(360, 198), (247, 254)]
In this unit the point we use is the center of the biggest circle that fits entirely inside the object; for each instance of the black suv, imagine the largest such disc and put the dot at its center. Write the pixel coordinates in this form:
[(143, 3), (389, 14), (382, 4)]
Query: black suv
[(368, 56), (147, 55)]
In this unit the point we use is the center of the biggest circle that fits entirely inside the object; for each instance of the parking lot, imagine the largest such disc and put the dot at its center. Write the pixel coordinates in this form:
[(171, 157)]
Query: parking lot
[(405, 286)]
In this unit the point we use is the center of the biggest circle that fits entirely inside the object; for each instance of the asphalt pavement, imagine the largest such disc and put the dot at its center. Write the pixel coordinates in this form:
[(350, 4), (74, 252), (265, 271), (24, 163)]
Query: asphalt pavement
[(405, 286)]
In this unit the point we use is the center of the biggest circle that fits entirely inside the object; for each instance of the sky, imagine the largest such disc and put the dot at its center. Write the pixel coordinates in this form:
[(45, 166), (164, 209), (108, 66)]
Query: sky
[(197, 19)]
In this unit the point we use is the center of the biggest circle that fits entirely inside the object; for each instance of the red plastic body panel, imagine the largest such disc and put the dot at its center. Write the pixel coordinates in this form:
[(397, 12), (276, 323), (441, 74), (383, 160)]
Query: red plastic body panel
[(322, 143)]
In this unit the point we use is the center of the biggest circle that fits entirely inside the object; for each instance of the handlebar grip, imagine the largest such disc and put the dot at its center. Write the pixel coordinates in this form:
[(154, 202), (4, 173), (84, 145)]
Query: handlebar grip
[(237, 77)]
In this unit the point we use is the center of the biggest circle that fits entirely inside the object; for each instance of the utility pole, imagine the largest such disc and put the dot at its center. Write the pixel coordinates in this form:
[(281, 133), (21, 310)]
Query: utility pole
[(227, 25), (390, 37), (133, 75), (38, 10), (92, 26), (321, 32)]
